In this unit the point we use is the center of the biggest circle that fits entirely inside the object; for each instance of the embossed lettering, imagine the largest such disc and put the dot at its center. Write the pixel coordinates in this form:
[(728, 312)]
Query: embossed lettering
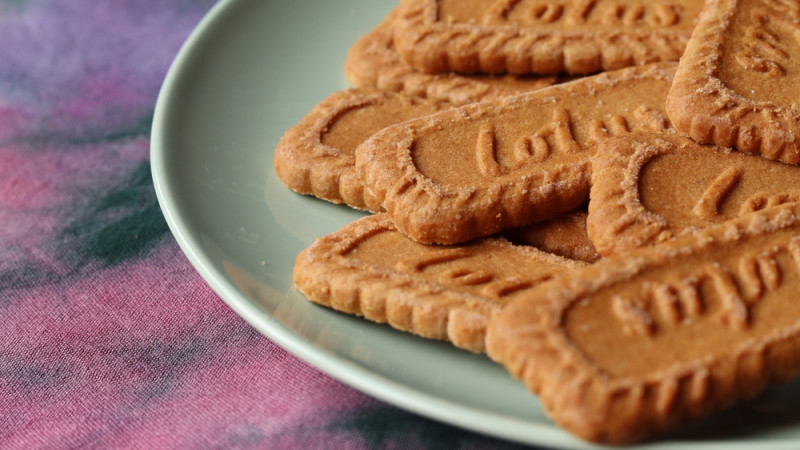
[(689, 297), (579, 14), (583, 12), (486, 152), (667, 302), (635, 320), (764, 46), (760, 201), (536, 147), (707, 207), (734, 311), (549, 12), (420, 263), (558, 137), (467, 277), (492, 285), (498, 11), (737, 290), (501, 288)]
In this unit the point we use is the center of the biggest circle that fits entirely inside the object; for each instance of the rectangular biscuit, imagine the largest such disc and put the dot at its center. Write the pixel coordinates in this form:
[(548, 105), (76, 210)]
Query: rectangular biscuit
[(373, 62), (317, 155), (738, 82), (541, 36), (478, 169), (648, 188), (438, 292), (640, 342)]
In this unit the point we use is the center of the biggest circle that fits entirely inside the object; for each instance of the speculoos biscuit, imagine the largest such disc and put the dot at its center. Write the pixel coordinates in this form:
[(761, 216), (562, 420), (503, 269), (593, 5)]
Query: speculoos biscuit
[(478, 169), (316, 156), (648, 188), (640, 342), (543, 37), (438, 292), (374, 62), (738, 82), (565, 235)]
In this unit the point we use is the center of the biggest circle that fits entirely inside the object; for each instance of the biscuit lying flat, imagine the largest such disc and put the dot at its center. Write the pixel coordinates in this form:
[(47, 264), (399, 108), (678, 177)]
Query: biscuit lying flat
[(648, 188), (477, 169), (369, 269), (316, 156), (536, 36), (374, 62), (739, 81), (638, 343)]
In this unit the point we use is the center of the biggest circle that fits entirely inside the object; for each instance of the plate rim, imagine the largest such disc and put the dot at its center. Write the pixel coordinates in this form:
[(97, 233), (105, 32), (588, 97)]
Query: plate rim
[(357, 377), (360, 378)]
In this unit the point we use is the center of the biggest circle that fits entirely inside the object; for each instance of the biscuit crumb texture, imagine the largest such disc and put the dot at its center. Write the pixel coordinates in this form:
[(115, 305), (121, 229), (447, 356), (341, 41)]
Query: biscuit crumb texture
[(369, 269), (601, 196), (472, 36), (738, 81), (710, 318)]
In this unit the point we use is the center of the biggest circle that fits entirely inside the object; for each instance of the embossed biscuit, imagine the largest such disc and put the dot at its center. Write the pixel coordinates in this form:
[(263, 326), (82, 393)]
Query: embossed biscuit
[(564, 235), (542, 36), (636, 344), (439, 292), (738, 82), (316, 156), (648, 188), (477, 169), (374, 62)]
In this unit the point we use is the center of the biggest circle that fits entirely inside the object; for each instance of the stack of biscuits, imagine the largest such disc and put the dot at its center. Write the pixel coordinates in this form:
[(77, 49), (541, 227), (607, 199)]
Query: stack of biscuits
[(600, 195)]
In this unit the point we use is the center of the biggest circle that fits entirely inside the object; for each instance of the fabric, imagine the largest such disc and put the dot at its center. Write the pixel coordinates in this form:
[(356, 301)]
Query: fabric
[(108, 336)]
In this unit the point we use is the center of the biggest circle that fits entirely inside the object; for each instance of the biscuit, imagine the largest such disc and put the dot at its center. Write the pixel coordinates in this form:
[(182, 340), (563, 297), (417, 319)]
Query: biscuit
[(316, 156), (480, 168), (438, 292), (541, 36), (374, 62), (739, 79), (636, 344), (648, 188), (564, 235)]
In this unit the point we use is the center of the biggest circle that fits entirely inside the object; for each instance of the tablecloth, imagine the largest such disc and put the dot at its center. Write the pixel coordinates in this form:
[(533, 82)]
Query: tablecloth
[(109, 337)]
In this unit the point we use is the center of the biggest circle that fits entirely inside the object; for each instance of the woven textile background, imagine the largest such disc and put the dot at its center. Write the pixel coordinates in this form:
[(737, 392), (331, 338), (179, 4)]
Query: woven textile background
[(108, 336)]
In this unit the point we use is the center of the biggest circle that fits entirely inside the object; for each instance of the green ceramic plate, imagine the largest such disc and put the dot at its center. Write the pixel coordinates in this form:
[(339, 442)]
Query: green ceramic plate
[(250, 71)]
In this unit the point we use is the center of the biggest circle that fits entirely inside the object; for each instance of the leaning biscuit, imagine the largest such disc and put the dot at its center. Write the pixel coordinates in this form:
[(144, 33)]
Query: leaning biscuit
[(369, 269), (738, 82), (638, 343), (316, 156), (648, 188), (565, 235), (374, 62), (543, 37), (477, 169)]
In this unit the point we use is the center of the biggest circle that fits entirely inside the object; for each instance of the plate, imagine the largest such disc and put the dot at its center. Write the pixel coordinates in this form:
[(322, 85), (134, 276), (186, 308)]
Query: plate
[(251, 70)]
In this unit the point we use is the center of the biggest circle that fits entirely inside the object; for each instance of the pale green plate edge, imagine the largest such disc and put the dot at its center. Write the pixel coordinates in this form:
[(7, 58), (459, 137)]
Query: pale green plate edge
[(218, 117)]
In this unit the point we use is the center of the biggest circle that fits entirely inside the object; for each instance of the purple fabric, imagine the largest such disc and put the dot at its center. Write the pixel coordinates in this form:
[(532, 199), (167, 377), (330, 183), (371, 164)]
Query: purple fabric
[(109, 338)]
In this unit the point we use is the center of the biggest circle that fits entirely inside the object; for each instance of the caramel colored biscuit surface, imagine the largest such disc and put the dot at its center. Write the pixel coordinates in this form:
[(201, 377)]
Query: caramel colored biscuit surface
[(475, 170), (374, 62), (316, 156), (438, 292), (564, 235), (542, 36), (636, 344), (648, 188), (739, 80)]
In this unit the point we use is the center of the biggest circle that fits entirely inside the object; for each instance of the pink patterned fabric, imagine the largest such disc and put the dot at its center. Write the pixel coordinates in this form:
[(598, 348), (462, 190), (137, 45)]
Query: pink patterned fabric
[(109, 338)]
